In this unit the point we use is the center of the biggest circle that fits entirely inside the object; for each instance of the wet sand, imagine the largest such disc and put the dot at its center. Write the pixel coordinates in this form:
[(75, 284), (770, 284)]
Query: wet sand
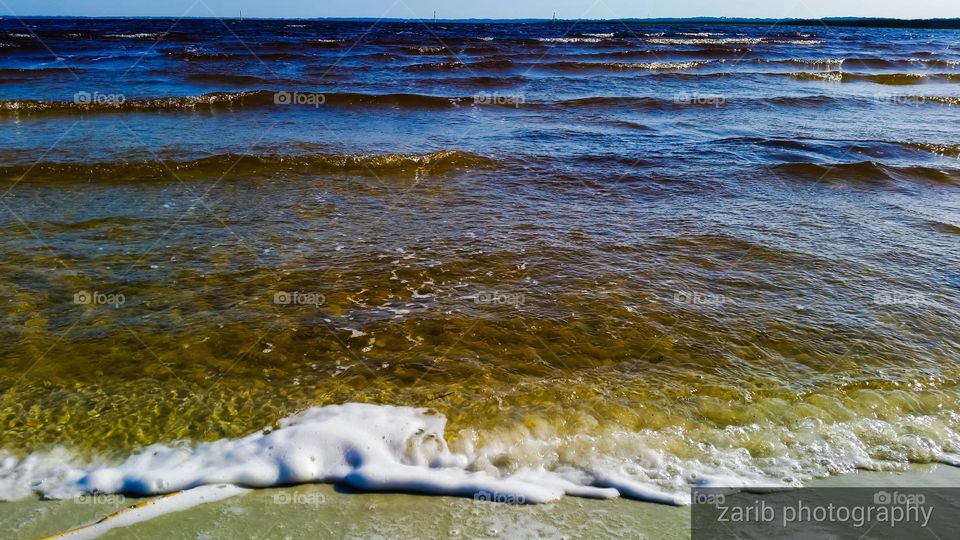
[(323, 511)]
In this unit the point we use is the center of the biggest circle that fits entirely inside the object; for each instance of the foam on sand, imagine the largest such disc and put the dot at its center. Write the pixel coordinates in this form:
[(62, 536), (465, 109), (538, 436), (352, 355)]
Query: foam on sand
[(368, 447), (403, 449)]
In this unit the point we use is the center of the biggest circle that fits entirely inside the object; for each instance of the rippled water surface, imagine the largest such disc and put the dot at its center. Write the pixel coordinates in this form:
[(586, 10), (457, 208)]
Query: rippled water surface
[(676, 250)]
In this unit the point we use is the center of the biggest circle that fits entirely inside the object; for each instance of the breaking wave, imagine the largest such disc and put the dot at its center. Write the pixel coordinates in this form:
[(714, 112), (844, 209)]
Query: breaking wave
[(240, 164), (220, 100), (387, 448)]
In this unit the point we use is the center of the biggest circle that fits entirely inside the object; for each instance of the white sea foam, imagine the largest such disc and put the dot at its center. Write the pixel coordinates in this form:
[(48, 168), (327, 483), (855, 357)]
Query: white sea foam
[(387, 448), (369, 447), (705, 41), (731, 41), (833, 76), (143, 35), (571, 40), (818, 61), (657, 66), (797, 41)]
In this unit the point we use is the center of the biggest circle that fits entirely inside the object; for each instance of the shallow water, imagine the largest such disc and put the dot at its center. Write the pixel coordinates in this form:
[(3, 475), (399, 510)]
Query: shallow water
[(669, 251)]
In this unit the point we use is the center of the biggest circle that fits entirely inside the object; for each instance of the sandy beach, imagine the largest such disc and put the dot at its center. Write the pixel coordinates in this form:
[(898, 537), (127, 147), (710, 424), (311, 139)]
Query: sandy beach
[(323, 511)]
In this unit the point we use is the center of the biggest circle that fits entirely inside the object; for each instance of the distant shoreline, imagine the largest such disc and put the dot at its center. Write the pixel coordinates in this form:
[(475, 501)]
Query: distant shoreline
[(833, 22)]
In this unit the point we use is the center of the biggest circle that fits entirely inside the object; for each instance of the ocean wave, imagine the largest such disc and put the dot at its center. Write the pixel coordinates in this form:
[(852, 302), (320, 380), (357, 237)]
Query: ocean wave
[(867, 172), (892, 79), (940, 63), (495, 63), (426, 50), (862, 62), (807, 42), (834, 148), (833, 76), (142, 35), (872, 62), (472, 82), (222, 100), (116, 104), (889, 78), (806, 61), (949, 228), (240, 164), (705, 41), (368, 447), (200, 55), (38, 72), (643, 103), (403, 449), (263, 98), (194, 54), (657, 54), (944, 100), (681, 101), (226, 78), (805, 101), (944, 150), (325, 42), (732, 41), (622, 66), (571, 40)]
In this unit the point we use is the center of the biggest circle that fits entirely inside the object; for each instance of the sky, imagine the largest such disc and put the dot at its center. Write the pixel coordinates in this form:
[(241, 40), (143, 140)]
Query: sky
[(504, 9)]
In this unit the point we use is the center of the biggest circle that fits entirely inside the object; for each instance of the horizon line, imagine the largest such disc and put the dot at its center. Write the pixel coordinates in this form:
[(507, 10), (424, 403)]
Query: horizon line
[(519, 19)]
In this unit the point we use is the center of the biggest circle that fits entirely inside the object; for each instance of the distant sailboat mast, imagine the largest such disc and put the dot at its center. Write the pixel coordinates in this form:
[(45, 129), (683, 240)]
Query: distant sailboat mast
[(554, 16), (434, 17), (241, 15)]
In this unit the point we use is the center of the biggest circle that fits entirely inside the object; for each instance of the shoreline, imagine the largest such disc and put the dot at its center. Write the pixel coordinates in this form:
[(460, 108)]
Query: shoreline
[(312, 510)]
